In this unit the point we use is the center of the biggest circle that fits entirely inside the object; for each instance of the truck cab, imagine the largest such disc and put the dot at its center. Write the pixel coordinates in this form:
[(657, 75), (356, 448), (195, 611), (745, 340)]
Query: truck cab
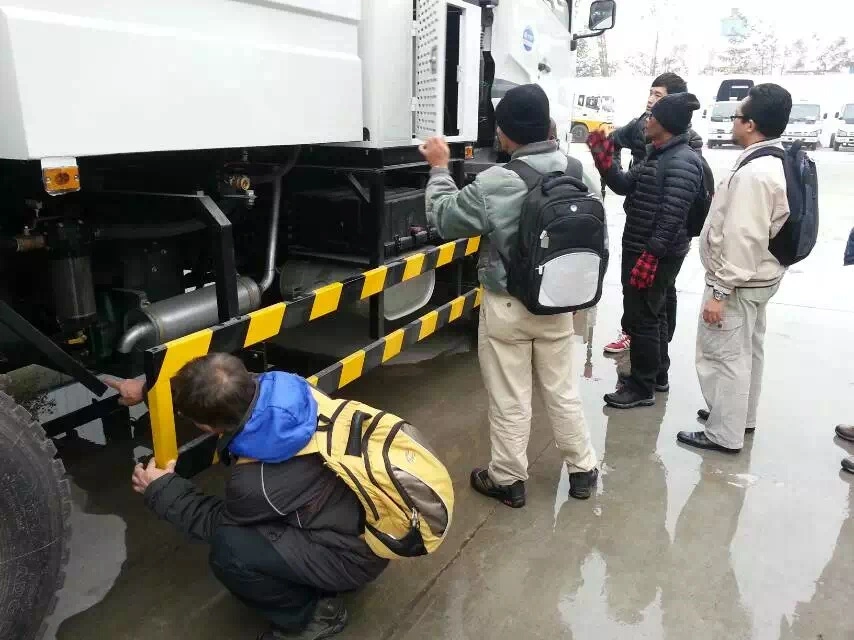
[(719, 132), (804, 125), (842, 128), (591, 113)]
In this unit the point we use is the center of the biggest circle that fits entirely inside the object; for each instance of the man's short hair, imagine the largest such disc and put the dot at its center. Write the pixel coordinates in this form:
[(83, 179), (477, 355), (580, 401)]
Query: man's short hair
[(215, 390), (769, 106), (672, 82)]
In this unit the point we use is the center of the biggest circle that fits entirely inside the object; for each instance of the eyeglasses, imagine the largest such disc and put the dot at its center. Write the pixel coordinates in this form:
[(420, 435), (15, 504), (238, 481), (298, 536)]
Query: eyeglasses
[(740, 117)]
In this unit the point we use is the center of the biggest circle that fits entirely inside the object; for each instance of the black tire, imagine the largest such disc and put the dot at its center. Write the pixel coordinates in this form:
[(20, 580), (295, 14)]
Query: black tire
[(711, 145), (35, 525), (579, 132)]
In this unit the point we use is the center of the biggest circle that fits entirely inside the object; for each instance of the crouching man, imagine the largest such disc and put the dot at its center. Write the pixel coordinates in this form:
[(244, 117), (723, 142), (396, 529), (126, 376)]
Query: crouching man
[(286, 538)]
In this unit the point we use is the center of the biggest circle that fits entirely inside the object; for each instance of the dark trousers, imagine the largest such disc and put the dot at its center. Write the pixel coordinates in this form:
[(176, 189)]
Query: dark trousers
[(246, 563), (649, 317)]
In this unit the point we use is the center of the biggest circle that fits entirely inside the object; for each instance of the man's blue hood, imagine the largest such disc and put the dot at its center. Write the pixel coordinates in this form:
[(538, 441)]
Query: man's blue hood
[(282, 420)]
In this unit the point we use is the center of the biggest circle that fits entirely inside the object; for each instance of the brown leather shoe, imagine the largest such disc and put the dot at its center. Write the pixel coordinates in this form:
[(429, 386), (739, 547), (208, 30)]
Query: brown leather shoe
[(845, 431)]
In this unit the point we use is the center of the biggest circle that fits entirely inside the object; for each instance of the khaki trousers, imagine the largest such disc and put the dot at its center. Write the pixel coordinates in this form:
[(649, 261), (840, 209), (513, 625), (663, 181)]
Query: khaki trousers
[(730, 360), (513, 345)]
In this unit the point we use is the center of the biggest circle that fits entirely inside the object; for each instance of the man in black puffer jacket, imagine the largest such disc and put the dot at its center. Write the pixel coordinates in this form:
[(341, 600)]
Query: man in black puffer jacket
[(633, 137), (659, 193)]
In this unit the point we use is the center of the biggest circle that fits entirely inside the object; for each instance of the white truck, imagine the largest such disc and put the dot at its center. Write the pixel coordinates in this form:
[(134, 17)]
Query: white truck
[(162, 163), (842, 128), (804, 125), (719, 131)]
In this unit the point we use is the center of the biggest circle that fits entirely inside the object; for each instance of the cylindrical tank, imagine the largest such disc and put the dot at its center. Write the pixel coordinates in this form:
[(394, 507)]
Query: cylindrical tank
[(74, 293), (70, 268), (180, 315)]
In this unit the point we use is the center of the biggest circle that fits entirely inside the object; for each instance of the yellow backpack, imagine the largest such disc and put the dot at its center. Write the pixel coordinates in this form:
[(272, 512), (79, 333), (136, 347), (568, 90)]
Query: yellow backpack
[(407, 493)]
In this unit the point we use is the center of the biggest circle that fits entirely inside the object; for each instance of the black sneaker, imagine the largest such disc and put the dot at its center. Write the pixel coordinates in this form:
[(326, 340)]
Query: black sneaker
[(512, 495), (848, 464), (329, 619), (628, 398), (662, 383), (582, 483)]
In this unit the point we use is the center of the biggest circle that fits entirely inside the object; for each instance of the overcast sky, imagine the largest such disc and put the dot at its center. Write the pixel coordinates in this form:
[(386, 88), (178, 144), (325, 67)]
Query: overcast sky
[(698, 24)]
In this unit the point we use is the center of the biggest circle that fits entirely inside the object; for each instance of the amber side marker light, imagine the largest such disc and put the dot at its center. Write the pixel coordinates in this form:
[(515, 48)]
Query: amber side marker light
[(60, 175)]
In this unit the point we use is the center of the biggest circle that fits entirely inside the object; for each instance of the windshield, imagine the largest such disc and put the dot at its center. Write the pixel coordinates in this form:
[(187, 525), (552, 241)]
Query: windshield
[(848, 112), (723, 111), (608, 103), (805, 113)]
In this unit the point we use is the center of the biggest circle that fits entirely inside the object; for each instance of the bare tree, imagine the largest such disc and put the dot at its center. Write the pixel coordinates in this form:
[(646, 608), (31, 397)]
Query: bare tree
[(587, 63), (795, 56), (604, 67), (835, 57), (674, 61)]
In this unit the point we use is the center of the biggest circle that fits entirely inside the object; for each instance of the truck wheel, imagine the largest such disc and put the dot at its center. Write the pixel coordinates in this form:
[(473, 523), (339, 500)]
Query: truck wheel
[(579, 132), (35, 527)]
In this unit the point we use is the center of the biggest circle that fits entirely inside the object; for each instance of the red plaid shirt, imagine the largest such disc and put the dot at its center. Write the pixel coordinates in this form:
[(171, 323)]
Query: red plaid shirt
[(643, 273)]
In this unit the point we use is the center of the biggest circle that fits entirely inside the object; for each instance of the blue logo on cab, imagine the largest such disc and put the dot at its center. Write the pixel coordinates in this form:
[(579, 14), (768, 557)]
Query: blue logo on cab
[(528, 38)]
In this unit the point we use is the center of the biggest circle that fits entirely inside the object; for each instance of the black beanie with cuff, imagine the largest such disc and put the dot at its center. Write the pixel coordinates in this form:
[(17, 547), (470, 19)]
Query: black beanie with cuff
[(674, 111), (523, 114)]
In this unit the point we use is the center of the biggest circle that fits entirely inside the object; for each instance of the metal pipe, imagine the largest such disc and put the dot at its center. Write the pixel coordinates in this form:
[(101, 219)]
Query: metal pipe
[(144, 331), (181, 315), (272, 241)]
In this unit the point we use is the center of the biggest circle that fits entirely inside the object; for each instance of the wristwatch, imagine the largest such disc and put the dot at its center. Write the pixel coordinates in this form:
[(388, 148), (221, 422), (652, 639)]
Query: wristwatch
[(719, 295)]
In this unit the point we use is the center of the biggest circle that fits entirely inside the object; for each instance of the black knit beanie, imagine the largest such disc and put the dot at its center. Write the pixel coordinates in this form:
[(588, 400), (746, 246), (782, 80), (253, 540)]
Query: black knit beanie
[(523, 114), (674, 111)]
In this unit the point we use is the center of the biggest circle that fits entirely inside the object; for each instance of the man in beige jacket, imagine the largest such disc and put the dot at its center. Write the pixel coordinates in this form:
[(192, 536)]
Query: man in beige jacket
[(749, 208)]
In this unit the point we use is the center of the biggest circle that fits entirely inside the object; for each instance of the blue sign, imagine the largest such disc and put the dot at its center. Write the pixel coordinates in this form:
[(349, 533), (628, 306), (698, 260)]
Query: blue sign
[(528, 39)]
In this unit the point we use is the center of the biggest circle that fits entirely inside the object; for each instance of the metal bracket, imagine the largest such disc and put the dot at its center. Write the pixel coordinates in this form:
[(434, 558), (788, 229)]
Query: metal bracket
[(225, 268), (357, 187), (50, 350)]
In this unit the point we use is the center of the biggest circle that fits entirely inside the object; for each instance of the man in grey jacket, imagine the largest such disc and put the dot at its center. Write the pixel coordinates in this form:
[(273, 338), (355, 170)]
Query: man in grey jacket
[(513, 344), (742, 275)]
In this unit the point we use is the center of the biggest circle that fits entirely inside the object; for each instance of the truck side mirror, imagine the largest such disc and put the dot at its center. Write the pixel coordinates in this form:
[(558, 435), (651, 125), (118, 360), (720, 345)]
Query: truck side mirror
[(705, 113), (603, 15), (836, 115), (825, 116)]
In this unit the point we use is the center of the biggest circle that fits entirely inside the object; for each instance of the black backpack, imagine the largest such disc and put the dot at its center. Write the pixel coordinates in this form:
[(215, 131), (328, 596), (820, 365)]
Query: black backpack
[(799, 233), (699, 210), (558, 260)]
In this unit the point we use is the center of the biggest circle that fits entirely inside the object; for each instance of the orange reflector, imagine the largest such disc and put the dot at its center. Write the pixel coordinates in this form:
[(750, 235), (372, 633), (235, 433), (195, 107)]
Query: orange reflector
[(59, 180), (469, 152)]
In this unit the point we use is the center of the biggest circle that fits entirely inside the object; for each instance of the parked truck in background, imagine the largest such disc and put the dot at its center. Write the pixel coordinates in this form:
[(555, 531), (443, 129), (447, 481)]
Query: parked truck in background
[(804, 125), (178, 176), (719, 131), (842, 128)]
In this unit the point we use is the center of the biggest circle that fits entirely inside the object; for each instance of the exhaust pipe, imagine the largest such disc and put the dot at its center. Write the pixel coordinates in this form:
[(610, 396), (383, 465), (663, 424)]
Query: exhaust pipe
[(181, 315)]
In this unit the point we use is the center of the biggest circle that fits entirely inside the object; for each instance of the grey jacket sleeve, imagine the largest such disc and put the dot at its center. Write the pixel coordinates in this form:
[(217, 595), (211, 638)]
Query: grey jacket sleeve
[(456, 213), (681, 183), (179, 502)]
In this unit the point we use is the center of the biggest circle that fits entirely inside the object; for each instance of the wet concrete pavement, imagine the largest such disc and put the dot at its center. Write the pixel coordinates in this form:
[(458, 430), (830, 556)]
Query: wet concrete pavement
[(676, 543)]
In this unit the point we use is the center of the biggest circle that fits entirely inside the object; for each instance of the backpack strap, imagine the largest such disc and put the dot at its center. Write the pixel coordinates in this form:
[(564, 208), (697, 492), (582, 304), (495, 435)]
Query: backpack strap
[(573, 173), (529, 175), (762, 153), (765, 152)]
